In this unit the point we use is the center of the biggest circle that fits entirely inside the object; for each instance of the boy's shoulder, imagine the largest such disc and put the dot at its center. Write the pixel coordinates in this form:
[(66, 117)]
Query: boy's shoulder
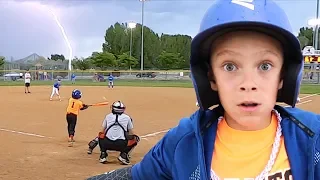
[(309, 119), (192, 124)]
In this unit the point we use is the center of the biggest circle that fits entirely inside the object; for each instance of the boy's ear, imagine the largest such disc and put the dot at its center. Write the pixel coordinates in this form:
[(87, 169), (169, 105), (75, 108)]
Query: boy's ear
[(280, 84), (213, 83)]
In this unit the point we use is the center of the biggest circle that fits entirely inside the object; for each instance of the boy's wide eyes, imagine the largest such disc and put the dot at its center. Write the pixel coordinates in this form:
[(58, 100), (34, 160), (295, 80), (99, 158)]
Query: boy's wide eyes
[(232, 67), (229, 67), (265, 66)]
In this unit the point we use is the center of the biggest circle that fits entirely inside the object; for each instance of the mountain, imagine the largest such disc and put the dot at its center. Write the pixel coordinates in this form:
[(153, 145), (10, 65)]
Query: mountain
[(30, 59)]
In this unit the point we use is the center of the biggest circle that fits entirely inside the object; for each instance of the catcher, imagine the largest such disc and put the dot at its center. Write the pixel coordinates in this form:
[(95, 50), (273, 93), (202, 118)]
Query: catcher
[(116, 135)]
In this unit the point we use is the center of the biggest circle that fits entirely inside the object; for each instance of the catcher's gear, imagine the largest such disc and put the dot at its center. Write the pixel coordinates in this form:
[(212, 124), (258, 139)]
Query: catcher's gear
[(264, 16), (93, 143), (137, 138), (133, 139), (84, 107), (101, 135), (118, 107)]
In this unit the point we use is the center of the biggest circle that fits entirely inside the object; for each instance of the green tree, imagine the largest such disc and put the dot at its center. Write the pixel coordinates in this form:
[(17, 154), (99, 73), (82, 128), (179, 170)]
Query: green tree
[(168, 61), (103, 60), (306, 36), (125, 62), (57, 57), (177, 44), (117, 41), (304, 41), (2, 60), (82, 63)]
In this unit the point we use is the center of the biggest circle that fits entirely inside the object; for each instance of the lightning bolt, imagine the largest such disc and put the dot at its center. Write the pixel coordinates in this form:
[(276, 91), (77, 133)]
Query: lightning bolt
[(65, 37)]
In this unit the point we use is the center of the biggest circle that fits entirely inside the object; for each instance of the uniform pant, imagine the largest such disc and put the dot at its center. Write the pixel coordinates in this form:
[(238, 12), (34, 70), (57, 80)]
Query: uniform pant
[(55, 91), (110, 84), (123, 146), (72, 122)]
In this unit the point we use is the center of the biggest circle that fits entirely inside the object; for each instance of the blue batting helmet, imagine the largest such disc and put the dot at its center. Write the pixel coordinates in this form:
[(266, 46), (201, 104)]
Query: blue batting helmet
[(256, 15), (76, 94)]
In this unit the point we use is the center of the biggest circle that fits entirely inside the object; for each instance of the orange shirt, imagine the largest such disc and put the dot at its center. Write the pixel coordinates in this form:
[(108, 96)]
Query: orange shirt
[(74, 106), (242, 155)]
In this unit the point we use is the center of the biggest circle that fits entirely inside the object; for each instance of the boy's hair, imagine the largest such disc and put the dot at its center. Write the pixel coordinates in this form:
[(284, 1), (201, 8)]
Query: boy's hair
[(266, 17)]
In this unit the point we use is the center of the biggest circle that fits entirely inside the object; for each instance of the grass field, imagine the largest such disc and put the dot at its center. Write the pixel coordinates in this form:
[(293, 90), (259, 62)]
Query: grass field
[(305, 88), (137, 83)]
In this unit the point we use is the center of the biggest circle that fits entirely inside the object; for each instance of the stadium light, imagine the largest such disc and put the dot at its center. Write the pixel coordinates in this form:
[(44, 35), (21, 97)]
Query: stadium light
[(142, 19), (131, 25)]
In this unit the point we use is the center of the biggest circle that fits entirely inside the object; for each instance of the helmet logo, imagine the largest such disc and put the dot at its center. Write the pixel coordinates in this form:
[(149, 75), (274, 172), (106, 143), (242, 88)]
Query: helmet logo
[(245, 3)]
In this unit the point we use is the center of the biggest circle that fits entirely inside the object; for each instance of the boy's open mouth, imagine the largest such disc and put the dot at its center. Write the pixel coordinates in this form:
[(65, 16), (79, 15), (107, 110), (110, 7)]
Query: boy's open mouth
[(249, 104)]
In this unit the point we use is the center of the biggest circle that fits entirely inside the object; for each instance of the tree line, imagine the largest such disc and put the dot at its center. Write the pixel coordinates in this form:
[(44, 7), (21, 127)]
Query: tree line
[(160, 51)]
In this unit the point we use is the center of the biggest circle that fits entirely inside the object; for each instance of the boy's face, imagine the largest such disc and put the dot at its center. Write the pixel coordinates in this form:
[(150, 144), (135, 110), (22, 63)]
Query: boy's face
[(246, 70)]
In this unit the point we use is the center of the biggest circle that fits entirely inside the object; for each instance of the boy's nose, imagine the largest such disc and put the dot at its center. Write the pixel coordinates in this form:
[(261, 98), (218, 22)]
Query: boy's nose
[(248, 83), (248, 88)]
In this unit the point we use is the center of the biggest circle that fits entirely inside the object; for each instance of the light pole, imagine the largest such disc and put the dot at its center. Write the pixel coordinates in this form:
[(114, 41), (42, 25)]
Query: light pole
[(131, 26), (142, 19), (315, 23), (317, 28)]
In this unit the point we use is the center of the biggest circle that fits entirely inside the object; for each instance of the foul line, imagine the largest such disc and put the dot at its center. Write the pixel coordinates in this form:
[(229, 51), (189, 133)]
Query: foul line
[(153, 134), (309, 96), (304, 102), (24, 133)]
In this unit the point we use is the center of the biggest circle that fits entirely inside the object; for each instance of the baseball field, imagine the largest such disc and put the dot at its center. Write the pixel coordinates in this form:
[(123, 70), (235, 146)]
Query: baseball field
[(33, 130)]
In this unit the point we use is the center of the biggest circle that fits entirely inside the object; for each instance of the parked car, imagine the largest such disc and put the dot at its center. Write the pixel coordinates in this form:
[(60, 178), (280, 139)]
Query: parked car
[(13, 76), (146, 74)]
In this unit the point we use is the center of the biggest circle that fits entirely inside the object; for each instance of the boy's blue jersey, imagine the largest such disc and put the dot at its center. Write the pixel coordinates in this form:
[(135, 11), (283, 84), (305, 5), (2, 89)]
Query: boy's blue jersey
[(73, 76), (185, 152), (110, 78), (57, 85)]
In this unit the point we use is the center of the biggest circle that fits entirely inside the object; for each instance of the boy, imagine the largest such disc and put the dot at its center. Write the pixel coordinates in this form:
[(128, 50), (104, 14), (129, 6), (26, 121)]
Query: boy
[(110, 78), (244, 59), (74, 106), (116, 134), (55, 89), (27, 81), (73, 78)]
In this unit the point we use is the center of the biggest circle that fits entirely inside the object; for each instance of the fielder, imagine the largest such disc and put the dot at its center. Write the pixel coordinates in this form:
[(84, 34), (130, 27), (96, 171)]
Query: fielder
[(55, 90), (110, 79), (27, 81), (244, 60), (116, 134), (74, 106), (73, 78)]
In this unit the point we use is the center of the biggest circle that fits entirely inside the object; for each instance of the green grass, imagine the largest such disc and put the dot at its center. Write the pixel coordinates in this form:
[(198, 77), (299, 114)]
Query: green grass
[(305, 89), (310, 89), (137, 83)]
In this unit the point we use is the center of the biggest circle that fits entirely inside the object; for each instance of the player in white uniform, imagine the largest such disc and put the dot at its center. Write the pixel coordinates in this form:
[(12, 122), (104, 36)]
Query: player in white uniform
[(116, 134), (27, 81)]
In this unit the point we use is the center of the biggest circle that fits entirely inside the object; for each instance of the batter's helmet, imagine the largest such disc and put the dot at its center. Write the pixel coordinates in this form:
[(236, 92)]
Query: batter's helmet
[(76, 94), (257, 15)]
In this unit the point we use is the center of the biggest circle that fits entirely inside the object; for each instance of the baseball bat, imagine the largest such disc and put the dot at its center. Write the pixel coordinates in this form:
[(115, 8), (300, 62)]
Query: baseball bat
[(99, 104)]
